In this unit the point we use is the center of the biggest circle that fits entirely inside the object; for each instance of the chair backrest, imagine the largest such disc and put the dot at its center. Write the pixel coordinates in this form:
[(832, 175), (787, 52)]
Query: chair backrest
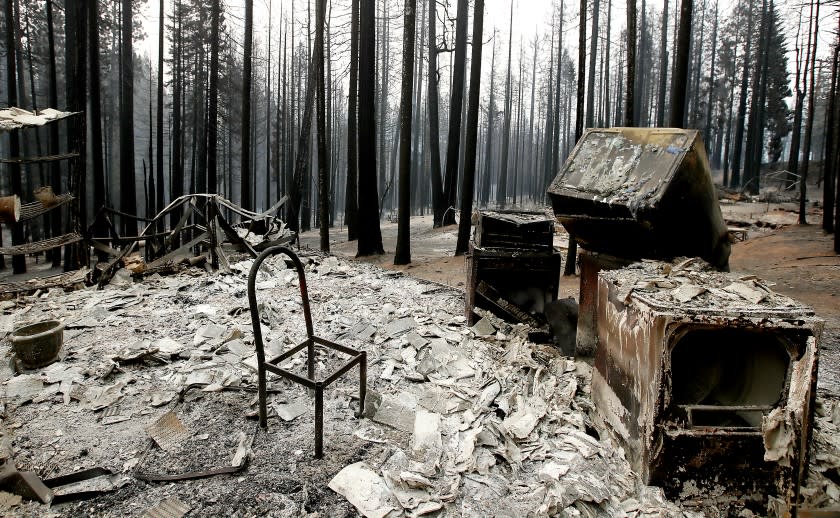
[(252, 294)]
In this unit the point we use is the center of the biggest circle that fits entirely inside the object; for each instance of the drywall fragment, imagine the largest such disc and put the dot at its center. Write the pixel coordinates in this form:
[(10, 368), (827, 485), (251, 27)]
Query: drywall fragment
[(483, 328), (528, 413), (426, 442), (687, 292), (366, 490)]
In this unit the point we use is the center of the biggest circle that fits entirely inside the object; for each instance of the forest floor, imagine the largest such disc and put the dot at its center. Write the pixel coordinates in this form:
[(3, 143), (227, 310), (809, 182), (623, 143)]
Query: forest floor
[(136, 353)]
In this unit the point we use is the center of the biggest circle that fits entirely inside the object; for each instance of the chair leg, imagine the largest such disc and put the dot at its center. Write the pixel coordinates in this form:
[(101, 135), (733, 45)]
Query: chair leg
[(319, 420), (362, 383), (262, 396), (310, 358)]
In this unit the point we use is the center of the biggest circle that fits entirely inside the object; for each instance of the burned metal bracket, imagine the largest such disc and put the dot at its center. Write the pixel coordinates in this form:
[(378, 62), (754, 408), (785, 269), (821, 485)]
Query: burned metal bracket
[(23, 483), (309, 381)]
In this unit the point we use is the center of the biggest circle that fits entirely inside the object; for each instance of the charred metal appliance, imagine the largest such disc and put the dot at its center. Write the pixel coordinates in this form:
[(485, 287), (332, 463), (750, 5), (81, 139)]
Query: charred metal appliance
[(272, 365), (512, 267), (708, 381), (627, 194)]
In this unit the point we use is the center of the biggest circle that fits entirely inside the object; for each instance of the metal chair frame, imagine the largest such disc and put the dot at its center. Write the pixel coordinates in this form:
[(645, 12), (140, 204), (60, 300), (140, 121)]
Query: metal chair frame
[(264, 366)]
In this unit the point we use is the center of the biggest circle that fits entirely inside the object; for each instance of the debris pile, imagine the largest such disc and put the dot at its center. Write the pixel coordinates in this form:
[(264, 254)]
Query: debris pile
[(157, 384)]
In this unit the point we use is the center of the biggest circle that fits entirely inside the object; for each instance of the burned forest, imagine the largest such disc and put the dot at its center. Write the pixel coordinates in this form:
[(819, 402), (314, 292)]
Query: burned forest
[(385, 258)]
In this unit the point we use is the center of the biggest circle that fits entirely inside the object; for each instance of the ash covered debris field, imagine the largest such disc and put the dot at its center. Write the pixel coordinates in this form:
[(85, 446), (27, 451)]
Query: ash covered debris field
[(454, 421)]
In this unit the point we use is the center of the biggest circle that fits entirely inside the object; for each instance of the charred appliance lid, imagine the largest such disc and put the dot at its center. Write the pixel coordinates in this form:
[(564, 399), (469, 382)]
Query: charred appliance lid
[(641, 193)]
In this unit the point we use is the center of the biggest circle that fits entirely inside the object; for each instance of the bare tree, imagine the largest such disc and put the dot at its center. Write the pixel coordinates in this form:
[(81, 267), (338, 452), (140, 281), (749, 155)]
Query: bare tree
[(678, 93), (571, 255), (629, 94), (323, 158), (735, 178), (593, 53), (438, 202), (809, 127), (245, 156), (370, 234), (501, 189), (159, 113), (470, 156), (18, 261), (128, 198), (455, 104), (212, 124), (351, 195), (663, 68), (403, 253)]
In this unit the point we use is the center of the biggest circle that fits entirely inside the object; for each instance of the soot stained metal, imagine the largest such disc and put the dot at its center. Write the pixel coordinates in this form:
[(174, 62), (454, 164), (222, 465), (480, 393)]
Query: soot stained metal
[(708, 381), (641, 193)]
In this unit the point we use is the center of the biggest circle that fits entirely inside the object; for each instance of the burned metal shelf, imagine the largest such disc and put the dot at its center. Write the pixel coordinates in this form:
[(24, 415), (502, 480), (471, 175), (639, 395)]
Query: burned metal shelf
[(35, 209), (42, 246), (38, 159)]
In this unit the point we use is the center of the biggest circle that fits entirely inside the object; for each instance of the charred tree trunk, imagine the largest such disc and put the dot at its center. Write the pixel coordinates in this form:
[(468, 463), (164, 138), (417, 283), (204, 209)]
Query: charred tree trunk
[(95, 112), (830, 151), (160, 189), (663, 68), (799, 106), (245, 156), (735, 177), (403, 253), (708, 124), (128, 197), (55, 167), (486, 178), (351, 195), (213, 111), (501, 188), (470, 156), (678, 93), (75, 33), (177, 181), (593, 53), (370, 234), (809, 128), (750, 166), (18, 261), (630, 80), (555, 138), (438, 201), (455, 104), (571, 256), (323, 159)]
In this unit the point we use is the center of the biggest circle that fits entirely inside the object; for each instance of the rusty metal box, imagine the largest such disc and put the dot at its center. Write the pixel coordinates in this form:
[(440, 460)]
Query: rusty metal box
[(708, 382)]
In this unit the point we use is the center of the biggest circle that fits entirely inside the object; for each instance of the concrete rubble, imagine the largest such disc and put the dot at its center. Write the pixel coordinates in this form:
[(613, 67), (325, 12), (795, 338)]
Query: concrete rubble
[(157, 380)]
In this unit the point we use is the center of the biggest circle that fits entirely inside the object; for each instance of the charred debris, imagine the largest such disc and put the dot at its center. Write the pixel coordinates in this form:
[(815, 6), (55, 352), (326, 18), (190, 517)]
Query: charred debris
[(256, 379)]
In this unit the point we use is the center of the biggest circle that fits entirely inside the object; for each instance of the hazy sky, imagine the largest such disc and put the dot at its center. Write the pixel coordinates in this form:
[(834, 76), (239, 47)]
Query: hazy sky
[(530, 16)]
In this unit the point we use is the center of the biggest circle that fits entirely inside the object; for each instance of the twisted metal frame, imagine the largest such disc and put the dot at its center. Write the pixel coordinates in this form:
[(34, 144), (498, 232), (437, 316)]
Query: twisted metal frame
[(264, 366)]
